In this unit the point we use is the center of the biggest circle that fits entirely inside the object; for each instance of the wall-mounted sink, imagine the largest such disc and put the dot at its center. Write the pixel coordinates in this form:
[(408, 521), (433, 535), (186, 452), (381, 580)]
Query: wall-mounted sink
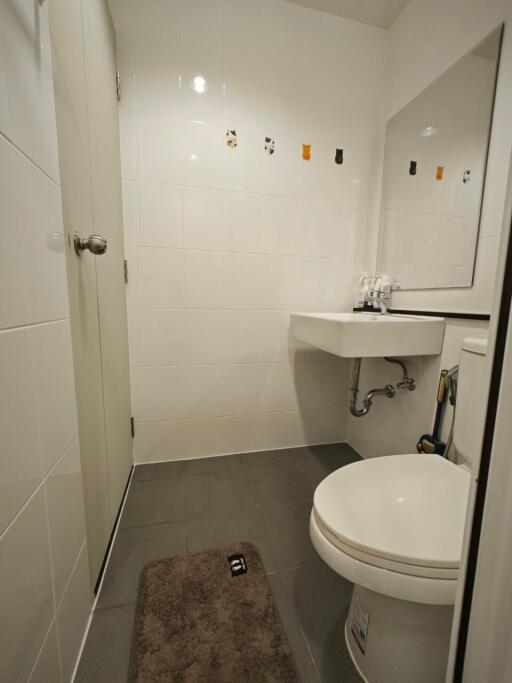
[(367, 335)]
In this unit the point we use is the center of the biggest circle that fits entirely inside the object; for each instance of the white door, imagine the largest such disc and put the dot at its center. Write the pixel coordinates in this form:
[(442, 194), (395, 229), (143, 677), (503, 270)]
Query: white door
[(86, 104)]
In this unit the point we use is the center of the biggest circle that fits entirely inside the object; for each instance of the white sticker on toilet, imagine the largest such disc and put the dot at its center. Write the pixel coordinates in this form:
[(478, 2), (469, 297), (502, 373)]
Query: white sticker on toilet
[(359, 623)]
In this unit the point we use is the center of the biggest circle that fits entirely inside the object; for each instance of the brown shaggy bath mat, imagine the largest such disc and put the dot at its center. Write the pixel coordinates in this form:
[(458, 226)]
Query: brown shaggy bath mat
[(210, 617)]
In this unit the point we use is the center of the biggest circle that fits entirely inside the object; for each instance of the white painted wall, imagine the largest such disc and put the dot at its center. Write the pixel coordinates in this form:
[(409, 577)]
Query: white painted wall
[(223, 242), (415, 60), (45, 599)]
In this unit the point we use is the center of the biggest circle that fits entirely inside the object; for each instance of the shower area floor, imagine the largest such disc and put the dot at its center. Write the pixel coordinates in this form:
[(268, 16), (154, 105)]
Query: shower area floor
[(192, 505)]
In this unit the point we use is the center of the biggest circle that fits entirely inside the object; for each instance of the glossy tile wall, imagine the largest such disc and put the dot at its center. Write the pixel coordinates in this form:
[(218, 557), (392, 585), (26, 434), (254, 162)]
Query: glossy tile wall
[(225, 240), (414, 62), (45, 598)]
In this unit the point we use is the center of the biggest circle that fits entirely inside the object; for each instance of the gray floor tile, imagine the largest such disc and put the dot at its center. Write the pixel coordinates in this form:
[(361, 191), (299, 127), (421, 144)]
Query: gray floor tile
[(323, 460), (183, 468), (287, 527), (321, 599), (298, 645), (107, 651), (152, 502), (210, 532), (277, 485), (183, 498), (210, 495), (133, 549), (284, 456)]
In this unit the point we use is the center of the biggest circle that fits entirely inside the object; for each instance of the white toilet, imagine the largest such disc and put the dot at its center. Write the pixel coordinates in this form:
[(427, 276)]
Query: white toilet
[(394, 527)]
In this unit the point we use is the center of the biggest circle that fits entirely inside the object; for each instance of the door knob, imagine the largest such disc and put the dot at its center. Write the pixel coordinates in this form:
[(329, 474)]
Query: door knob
[(95, 243)]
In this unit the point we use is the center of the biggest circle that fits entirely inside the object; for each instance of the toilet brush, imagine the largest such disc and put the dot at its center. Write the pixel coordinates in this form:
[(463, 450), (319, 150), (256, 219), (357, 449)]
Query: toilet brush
[(431, 443)]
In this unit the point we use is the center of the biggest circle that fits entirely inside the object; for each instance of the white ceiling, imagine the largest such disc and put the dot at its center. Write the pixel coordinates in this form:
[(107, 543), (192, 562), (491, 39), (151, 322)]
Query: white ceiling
[(375, 12)]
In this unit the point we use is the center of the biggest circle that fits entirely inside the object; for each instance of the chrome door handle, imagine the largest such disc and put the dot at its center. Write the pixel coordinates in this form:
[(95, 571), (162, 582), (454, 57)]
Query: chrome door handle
[(95, 243)]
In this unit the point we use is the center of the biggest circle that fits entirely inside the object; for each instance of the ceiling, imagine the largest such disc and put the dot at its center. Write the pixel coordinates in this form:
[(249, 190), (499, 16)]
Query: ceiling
[(375, 12)]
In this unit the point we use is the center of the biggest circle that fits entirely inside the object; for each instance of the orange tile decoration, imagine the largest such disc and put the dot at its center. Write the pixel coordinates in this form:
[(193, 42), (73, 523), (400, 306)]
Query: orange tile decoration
[(306, 152), (439, 172)]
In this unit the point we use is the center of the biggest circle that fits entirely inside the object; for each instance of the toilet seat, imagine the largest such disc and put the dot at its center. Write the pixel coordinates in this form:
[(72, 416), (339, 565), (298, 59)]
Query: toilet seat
[(397, 520)]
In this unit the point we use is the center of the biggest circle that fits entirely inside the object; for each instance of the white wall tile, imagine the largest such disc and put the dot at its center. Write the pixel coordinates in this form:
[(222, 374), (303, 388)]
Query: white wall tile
[(273, 336), (129, 151), (162, 278), (161, 216), (47, 667), (136, 336), (65, 516), (203, 337), (33, 261), (73, 614), (157, 20), (279, 225), (237, 433), (202, 219), (202, 85), (140, 442), (28, 66), (202, 26), (134, 287), (203, 279), (157, 77), (242, 222), (239, 389), (240, 280), (275, 388), (272, 431), (167, 440), (160, 148), (164, 337), (165, 390), (55, 389), (13, 308), (27, 605), (239, 332), (201, 391), (131, 213), (20, 457), (44, 248), (202, 437), (202, 145)]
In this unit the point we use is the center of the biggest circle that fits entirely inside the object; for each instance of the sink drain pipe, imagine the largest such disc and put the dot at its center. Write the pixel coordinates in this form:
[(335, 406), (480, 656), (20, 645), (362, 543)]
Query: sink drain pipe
[(388, 391)]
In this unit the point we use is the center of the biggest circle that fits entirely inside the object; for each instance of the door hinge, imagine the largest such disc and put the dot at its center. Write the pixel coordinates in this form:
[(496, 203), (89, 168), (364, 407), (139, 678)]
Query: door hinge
[(125, 269), (132, 426), (118, 86)]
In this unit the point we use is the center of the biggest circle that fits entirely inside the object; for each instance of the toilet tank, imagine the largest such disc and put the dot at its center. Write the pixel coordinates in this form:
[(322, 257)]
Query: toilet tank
[(472, 394)]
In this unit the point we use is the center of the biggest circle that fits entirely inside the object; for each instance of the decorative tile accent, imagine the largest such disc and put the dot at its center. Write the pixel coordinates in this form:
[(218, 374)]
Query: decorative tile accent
[(306, 152), (338, 158), (270, 146), (231, 139)]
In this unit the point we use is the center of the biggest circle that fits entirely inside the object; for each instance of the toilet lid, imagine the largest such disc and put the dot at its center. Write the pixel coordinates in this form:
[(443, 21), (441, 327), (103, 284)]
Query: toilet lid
[(405, 508)]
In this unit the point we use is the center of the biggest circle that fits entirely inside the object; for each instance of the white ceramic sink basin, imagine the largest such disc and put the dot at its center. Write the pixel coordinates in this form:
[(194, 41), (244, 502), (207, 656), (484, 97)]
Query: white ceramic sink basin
[(369, 335)]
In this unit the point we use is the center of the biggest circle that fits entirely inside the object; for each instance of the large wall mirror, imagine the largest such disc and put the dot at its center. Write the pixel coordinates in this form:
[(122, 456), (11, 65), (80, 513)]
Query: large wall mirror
[(434, 170)]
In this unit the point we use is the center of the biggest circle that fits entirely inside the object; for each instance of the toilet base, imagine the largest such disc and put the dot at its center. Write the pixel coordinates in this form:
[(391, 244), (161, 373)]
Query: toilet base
[(396, 641)]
